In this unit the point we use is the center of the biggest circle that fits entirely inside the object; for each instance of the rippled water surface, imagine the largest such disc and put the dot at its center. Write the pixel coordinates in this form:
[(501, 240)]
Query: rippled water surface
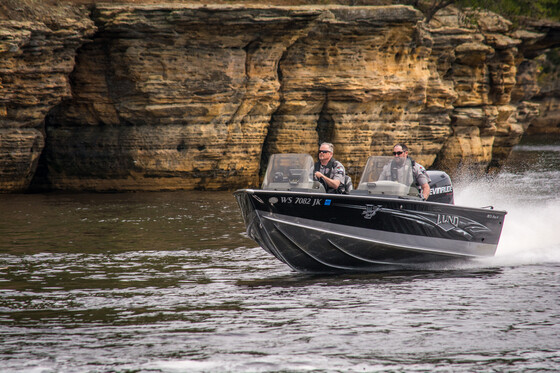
[(168, 282)]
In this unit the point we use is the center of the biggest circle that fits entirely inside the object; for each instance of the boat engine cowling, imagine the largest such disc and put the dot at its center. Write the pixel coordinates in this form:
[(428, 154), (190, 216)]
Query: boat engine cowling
[(441, 188)]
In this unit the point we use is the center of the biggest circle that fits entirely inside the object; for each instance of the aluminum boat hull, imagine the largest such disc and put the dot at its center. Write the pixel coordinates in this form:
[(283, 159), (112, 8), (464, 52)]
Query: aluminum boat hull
[(318, 232)]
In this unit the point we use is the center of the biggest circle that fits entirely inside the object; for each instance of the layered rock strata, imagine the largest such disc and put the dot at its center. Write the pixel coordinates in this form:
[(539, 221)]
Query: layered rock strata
[(189, 97), (547, 123), (172, 97), (35, 61), (197, 97), (481, 58), (538, 79)]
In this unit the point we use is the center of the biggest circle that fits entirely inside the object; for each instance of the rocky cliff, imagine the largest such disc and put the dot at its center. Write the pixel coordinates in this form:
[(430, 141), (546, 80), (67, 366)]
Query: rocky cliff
[(154, 97), (37, 53)]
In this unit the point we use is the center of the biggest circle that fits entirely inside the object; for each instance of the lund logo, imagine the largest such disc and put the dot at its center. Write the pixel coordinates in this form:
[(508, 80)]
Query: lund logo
[(447, 222)]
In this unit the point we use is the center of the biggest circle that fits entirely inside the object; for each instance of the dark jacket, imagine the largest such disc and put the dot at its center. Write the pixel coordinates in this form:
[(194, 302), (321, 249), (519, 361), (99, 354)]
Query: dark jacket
[(333, 168)]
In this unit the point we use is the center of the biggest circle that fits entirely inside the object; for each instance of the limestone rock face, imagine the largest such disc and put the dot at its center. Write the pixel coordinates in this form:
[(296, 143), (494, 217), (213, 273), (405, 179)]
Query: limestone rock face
[(182, 96), (172, 97), (547, 122), (548, 98), (193, 97), (481, 67), (360, 79), (35, 61)]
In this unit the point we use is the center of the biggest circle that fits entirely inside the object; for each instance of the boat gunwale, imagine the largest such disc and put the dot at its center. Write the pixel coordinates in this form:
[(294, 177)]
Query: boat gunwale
[(372, 197)]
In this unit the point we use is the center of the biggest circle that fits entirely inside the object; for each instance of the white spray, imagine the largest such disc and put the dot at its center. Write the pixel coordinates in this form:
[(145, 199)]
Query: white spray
[(531, 232)]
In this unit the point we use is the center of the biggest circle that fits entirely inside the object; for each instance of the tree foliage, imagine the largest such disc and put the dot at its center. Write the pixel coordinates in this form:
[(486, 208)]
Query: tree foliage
[(511, 9), (515, 9)]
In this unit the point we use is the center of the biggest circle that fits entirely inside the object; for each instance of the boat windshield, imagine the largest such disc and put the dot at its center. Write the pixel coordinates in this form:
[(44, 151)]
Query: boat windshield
[(388, 175), (291, 172)]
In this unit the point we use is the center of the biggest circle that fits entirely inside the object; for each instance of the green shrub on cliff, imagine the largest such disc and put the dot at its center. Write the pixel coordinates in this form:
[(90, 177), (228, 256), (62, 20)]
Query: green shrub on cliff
[(515, 9), (511, 9)]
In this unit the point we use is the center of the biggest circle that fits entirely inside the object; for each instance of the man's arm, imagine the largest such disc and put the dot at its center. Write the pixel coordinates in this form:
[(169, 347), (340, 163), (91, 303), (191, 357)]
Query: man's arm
[(422, 179), (330, 182), (426, 190)]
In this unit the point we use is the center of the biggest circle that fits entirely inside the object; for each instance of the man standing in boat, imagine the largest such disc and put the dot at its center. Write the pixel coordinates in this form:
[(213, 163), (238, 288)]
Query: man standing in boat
[(329, 171), (391, 171)]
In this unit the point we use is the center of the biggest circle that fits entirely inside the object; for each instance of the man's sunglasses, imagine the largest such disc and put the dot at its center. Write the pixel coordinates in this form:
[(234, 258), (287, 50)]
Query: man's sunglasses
[(324, 151), (397, 153)]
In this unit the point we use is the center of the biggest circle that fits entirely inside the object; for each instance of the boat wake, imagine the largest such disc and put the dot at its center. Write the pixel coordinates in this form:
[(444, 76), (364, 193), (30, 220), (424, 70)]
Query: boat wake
[(530, 233)]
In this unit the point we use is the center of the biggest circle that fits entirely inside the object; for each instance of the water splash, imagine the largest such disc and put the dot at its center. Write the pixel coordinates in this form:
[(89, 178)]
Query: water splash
[(532, 200)]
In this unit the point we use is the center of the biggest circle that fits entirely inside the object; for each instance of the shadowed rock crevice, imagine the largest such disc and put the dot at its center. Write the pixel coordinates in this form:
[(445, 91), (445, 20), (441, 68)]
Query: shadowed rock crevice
[(325, 124)]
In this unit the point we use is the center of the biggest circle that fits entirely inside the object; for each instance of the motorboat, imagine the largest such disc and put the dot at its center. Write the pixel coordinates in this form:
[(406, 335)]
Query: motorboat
[(382, 224)]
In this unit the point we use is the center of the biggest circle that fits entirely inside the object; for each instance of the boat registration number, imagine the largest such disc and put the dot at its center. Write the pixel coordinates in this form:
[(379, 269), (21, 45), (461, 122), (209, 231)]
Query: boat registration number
[(302, 201)]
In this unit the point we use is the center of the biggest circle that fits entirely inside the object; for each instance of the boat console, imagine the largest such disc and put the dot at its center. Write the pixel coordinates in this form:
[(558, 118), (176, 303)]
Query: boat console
[(388, 176), (293, 172)]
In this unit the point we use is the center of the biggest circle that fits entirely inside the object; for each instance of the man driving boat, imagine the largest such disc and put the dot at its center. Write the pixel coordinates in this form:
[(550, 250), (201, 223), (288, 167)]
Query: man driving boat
[(393, 170), (328, 170)]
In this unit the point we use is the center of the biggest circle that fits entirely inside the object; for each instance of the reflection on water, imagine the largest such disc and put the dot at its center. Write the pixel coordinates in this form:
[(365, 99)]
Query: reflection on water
[(168, 282)]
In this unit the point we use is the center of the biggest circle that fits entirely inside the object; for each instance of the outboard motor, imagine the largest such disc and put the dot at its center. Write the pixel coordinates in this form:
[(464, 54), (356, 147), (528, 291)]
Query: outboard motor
[(441, 189)]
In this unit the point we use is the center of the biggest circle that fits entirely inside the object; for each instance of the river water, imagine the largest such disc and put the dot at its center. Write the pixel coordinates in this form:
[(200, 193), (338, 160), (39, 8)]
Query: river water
[(168, 282)]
